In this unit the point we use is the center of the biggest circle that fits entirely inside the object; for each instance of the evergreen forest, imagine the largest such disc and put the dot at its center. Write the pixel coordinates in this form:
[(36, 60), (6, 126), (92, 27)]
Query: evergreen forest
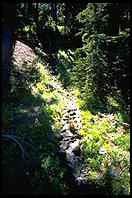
[(65, 98)]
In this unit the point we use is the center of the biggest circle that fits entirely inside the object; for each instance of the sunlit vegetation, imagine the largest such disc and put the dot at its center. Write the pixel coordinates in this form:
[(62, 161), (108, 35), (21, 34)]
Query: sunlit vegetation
[(104, 132), (66, 48)]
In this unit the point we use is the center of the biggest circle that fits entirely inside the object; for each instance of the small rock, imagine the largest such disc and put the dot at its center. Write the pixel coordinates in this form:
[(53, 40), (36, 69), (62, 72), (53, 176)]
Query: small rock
[(66, 133), (48, 86), (101, 115), (77, 120), (69, 156), (112, 174), (124, 189), (27, 173), (90, 136), (63, 145), (98, 143), (65, 119), (75, 144), (65, 127), (72, 117), (66, 115), (35, 89), (115, 124), (79, 180), (125, 125), (68, 139), (77, 151), (102, 150)]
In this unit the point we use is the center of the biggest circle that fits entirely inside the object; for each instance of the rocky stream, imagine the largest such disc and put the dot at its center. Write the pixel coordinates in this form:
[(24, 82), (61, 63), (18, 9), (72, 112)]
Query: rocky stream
[(69, 146)]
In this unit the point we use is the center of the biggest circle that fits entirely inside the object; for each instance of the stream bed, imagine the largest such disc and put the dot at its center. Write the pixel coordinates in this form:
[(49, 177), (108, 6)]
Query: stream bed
[(69, 147)]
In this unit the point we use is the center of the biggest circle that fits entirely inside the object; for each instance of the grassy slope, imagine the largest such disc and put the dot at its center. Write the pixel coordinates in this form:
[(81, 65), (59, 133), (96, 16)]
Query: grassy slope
[(108, 131), (30, 111)]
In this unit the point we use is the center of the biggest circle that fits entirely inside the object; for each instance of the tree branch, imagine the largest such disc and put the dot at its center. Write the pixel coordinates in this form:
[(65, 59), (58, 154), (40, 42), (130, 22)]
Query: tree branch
[(11, 137), (15, 139), (27, 143)]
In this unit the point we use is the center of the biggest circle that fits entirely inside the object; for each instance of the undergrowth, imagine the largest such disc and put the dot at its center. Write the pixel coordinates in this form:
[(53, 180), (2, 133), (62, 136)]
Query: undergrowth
[(31, 112), (105, 135), (106, 147)]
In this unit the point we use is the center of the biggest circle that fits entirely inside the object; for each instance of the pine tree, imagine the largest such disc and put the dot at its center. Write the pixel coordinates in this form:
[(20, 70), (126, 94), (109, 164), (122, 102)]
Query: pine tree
[(100, 68)]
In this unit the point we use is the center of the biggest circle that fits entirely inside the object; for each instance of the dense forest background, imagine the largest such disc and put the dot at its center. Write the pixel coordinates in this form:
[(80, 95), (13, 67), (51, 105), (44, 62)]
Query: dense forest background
[(96, 39), (93, 30)]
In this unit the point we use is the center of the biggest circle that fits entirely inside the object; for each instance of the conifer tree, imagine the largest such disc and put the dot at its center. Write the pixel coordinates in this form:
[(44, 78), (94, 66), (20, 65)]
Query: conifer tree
[(100, 68)]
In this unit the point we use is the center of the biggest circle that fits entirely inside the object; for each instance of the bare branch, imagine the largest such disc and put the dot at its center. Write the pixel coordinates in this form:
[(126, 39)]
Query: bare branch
[(15, 139), (11, 137), (27, 143)]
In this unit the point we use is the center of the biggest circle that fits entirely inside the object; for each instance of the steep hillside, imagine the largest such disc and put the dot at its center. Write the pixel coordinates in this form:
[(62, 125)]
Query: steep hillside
[(51, 143)]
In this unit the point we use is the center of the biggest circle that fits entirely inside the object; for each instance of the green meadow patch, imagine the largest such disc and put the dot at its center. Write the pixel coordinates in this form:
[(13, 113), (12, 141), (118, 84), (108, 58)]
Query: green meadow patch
[(106, 149)]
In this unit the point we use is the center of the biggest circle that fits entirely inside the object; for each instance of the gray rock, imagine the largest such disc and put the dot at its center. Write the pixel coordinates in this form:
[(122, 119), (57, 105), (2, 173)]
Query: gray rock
[(66, 133), (71, 143), (72, 117), (63, 145), (112, 173), (77, 166), (125, 125), (74, 145), (66, 115), (48, 86), (79, 180), (69, 156), (102, 150), (124, 189), (77, 151), (65, 127)]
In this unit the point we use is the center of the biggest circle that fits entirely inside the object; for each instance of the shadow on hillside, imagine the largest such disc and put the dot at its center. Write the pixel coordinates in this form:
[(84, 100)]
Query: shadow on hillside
[(25, 118)]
